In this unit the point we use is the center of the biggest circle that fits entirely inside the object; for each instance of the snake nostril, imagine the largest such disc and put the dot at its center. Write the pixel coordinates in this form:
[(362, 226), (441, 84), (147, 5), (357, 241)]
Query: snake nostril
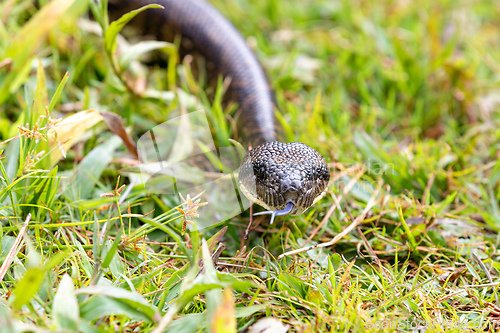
[(285, 186), (288, 185)]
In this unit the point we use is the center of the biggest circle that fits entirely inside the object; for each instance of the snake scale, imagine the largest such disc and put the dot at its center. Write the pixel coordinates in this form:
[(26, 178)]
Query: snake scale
[(282, 178)]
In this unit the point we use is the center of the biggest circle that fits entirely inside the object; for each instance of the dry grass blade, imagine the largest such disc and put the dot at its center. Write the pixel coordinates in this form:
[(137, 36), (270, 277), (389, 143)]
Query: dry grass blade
[(336, 204), (10, 255), (347, 230), (486, 272)]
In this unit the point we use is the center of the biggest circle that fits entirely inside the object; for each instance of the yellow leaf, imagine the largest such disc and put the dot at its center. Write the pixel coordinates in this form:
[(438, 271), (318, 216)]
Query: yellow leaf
[(224, 318), (68, 130), (27, 42)]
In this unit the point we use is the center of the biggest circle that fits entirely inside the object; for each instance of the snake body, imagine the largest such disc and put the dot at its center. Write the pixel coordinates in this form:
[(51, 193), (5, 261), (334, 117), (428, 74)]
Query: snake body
[(283, 178)]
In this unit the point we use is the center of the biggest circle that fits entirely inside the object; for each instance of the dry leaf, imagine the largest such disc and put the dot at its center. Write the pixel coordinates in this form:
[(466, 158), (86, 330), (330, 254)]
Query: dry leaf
[(69, 129), (115, 124)]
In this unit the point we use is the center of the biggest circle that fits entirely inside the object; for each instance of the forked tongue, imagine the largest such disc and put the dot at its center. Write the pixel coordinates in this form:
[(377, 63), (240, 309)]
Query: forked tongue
[(274, 213)]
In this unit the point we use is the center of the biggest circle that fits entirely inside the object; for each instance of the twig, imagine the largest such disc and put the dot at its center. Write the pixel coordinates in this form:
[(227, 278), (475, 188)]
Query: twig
[(10, 255), (347, 230), (241, 266), (247, 231), (215, 257)]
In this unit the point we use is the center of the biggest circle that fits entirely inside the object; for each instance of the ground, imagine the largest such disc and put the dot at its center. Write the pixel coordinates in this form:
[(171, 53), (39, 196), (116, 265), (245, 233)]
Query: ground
[(401, 97)]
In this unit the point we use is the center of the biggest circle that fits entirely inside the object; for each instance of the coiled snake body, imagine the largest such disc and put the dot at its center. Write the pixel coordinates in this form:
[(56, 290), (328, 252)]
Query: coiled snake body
[(283, 178)]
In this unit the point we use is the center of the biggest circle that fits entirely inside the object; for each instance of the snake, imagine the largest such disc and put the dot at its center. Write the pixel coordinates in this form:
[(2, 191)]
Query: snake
[(283, 178)]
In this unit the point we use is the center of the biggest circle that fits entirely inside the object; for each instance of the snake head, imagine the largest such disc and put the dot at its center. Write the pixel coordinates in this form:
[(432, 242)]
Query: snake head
[(284, 178)]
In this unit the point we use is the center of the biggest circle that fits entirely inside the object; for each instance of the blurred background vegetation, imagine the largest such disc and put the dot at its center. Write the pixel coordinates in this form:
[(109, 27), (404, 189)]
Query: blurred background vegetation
[(401, 97)]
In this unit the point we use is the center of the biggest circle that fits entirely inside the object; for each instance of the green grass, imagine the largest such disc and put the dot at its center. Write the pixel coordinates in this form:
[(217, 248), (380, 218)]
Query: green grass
[(401, 97)]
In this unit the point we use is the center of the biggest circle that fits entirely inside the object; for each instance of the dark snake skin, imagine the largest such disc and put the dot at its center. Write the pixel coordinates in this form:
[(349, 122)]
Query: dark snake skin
[(284, 177), (211, 34)]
